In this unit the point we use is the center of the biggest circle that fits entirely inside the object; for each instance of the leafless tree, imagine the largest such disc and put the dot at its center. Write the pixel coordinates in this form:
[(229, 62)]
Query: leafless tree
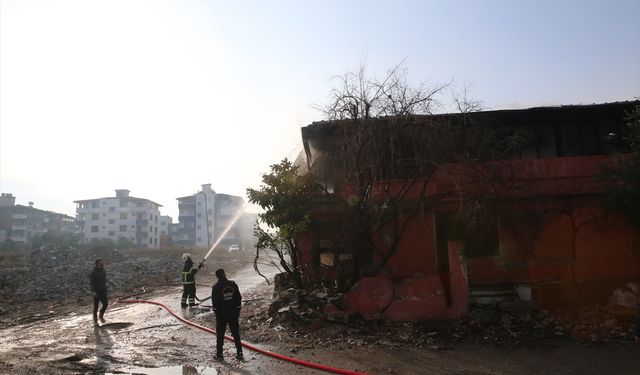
[(386, 149), (360, 96)]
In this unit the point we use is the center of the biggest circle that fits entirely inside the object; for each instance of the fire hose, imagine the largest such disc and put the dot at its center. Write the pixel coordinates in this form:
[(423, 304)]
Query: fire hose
[(317, 366)]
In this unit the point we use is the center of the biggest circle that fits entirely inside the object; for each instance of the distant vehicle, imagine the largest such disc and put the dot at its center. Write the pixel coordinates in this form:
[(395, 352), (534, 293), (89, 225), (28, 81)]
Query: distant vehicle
[(234, 248)]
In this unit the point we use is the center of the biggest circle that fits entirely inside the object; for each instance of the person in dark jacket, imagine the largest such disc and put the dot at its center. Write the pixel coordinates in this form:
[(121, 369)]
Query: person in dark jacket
[(98, 280), (226, 303), (189, 281)]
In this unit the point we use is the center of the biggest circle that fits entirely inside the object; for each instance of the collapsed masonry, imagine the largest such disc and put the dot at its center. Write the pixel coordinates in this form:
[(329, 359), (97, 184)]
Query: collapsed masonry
[(55, 271)]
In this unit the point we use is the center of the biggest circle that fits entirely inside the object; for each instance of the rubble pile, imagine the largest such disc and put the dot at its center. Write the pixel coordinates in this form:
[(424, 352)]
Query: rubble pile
[(489, 326), (9, 276), (55, 255), (297, 319), (61, 272)]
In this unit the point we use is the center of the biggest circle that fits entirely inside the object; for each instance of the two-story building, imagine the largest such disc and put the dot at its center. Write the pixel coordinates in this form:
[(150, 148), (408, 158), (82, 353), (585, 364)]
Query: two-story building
[(452, 214)]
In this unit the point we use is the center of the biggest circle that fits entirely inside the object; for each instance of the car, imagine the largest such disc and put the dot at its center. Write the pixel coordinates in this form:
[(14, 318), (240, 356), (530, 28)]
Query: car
[(234, 248)]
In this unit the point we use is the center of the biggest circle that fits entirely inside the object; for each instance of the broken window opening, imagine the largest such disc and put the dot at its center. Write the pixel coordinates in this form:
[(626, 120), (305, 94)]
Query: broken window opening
[(480, 241)]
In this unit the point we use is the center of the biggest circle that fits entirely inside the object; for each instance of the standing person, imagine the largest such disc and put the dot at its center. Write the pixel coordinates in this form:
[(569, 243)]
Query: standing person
[(98, 280), (226, 303), (189, 281)]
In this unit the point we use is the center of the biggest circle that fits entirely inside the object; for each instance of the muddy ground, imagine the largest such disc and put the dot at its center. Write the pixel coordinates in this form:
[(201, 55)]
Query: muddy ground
[(58, 337)]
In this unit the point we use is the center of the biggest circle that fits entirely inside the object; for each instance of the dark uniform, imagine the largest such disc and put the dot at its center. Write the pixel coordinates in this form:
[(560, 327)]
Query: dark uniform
[(98, 280), (189, 283), (226, 303)]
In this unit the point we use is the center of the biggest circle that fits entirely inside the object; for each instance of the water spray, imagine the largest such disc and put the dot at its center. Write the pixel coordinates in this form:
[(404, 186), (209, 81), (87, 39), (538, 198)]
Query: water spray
[(224, 233)]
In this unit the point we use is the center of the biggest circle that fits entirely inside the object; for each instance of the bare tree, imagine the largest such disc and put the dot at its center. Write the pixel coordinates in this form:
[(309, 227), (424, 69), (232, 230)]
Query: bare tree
[(359, 96), (385, 149)]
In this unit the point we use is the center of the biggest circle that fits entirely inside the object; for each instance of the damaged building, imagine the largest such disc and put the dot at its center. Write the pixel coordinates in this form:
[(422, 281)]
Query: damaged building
[(22, 224), (481, 207)]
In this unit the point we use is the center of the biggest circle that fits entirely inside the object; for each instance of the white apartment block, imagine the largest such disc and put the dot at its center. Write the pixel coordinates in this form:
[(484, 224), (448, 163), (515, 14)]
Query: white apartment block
[(196, 218), (136, 220), (165, 225)]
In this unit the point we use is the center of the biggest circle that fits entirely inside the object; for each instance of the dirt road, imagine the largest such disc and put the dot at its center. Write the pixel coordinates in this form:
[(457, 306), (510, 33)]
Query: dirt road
[(146, 339)]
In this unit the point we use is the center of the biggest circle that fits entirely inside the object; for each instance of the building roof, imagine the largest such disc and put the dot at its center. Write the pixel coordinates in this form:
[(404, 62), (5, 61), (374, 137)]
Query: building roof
[(529, 115), (187, 197), (220, 195), (132, 198), (45, 211)]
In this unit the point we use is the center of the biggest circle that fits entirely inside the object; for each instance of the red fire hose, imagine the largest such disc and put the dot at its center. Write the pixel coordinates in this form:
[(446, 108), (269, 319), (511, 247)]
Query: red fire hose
[(316, 366)]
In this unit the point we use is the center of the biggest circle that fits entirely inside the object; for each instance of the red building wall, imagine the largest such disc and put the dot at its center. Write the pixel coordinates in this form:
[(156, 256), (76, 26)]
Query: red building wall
[(581, 250)]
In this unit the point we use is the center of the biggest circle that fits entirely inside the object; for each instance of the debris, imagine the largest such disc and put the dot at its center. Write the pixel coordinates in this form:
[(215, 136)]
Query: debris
[(627, 297), (278, 328), (56, 271)]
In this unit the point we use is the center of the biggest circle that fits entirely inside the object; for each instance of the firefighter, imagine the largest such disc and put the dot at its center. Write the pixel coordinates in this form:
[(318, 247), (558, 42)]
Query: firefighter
[(98, 281), (189, 281), (226, 303)]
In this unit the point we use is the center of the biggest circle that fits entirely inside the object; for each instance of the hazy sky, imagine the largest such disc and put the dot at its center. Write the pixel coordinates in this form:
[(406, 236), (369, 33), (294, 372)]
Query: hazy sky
[(160, 97)]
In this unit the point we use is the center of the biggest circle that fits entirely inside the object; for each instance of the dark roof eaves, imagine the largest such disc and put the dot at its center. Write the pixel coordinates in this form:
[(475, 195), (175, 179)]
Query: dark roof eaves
[(324, 123)]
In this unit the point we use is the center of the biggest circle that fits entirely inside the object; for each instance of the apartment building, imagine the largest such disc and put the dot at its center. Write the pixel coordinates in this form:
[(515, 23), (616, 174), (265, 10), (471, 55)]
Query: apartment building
[(122, 218), (21, 224), (196, 219), (7, 201), (204, 216), (228, 208), (165, 225)]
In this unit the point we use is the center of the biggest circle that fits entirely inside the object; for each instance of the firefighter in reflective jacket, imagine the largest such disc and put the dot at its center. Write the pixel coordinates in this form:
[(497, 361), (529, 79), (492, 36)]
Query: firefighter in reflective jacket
[(189, 281), (226, 302)]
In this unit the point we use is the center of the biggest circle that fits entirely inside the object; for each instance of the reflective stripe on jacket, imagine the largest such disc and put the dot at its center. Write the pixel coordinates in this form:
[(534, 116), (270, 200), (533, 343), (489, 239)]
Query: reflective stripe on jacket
[(189, 273), (188, 277)]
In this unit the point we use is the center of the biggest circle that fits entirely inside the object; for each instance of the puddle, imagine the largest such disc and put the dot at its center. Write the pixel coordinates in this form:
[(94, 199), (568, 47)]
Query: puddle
[(171, 370), (67, 357), (110, 326)]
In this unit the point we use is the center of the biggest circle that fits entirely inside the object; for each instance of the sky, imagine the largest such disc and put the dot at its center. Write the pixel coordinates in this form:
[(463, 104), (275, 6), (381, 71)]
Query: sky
[(160, 97)]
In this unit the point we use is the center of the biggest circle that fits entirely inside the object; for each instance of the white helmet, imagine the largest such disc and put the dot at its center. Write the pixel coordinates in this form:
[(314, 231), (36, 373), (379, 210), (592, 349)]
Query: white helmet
[(185, 256)]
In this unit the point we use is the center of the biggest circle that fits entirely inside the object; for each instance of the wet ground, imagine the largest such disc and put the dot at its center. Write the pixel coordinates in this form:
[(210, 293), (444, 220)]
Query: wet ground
[(145, 339)]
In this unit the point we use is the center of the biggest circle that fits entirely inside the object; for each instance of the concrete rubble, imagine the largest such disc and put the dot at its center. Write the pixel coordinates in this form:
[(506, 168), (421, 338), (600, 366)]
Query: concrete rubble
[(299, 318), (63, 272)]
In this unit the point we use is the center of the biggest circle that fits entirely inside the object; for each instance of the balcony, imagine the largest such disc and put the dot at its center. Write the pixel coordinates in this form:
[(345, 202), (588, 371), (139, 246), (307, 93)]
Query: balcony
[(89, 210), (187, 213), (19, 216)]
